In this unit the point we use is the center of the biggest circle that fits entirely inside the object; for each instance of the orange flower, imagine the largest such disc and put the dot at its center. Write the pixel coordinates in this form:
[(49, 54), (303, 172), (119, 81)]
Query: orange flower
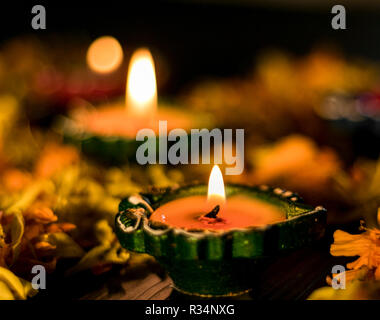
[(15, 180), (54, 158), (296, 161), (365, 245), (44, 245), (32, 230), (359, 274), (60, 227)]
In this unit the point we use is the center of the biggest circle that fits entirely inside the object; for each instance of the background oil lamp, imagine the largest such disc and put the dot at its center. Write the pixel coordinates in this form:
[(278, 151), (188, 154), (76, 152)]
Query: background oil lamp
[(213, 241), (108, 132)]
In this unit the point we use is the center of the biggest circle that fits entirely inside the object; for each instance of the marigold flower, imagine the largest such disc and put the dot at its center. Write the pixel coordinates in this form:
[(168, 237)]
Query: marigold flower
[(365, 245), (40, 213), (54, 158)]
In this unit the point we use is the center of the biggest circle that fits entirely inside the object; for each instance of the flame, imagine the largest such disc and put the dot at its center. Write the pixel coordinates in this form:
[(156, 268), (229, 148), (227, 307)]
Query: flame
[(141, 93), (216, 191), (104, 55)]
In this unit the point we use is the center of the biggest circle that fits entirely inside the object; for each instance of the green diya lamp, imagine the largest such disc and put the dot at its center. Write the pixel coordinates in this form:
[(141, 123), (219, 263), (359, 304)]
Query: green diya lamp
[(213, 241), (108, 133)]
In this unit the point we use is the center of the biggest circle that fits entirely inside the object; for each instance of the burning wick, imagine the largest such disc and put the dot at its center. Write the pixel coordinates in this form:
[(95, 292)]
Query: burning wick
[(216, 195), (213, 213)]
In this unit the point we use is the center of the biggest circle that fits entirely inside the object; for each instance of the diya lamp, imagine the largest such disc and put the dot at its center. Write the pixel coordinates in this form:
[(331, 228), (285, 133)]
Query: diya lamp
[(109, 132), (213, 240)]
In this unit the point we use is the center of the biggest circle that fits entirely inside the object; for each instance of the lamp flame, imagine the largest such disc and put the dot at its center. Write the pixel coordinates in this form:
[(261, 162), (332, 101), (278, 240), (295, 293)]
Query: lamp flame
[(141, 93), (216, 192)]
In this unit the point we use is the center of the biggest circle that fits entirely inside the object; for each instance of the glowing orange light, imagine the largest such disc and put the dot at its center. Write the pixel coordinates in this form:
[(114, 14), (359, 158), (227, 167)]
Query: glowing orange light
[(104, 55), (141, 93), (216, 192)]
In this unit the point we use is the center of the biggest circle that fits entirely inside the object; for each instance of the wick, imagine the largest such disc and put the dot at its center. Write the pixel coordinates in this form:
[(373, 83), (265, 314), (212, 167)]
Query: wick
[(213, 213)]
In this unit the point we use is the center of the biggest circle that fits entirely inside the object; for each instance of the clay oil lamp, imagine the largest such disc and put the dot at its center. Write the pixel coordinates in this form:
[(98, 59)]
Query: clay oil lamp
[(214, 240), (108, 132)]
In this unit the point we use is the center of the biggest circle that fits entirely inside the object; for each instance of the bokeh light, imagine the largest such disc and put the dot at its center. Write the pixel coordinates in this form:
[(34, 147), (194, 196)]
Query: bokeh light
[(104, 55)]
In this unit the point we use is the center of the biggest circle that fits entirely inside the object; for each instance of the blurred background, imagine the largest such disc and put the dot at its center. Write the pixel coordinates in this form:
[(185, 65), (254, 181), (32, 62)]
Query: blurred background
[(204, 38), (307, 96)]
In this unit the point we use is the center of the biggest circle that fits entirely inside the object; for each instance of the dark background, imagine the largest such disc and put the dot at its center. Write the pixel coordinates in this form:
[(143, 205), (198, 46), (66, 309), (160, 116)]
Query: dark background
[(202, 39)]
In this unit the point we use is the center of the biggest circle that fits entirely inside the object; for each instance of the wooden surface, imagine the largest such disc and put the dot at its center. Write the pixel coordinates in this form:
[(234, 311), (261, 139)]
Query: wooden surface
[(292, 276)]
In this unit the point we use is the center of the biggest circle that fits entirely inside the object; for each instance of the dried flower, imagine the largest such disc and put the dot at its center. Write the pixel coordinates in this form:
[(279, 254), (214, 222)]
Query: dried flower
[(40, 213), (54, 158), (44, 246), (296, 162), (15, 180), (60, 227)]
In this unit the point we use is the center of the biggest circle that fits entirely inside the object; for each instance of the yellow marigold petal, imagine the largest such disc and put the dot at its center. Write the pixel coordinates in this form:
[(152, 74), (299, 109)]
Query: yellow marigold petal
[(5, 292), (12, 282)]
